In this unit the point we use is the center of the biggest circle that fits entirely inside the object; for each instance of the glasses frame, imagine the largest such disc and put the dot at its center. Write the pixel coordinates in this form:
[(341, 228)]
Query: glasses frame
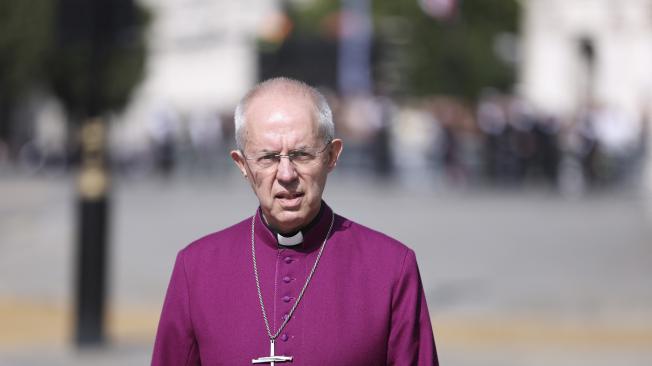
[(290, 156)]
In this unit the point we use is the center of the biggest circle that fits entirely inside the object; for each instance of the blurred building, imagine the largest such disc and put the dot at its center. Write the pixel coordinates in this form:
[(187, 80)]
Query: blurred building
[(579, 49), (202, 58), (591, 57)]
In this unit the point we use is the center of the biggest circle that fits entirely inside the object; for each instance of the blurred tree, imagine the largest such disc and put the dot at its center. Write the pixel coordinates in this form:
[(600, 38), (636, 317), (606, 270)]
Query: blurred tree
[(25, 43), (456, 54), (318, 18), (307, 49), (89, 53), (100, 54)]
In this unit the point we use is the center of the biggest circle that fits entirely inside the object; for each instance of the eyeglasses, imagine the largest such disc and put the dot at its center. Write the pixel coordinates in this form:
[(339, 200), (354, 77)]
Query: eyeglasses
[(300, 158)]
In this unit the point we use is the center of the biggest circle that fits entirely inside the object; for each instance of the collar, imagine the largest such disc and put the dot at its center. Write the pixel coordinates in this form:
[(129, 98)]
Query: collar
[(312, 235), (290, 240)]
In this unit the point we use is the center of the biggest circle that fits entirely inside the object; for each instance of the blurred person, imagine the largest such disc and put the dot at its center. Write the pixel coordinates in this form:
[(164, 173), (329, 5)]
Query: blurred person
[(414, 133), (361, 119), (295, 282), (50, 133), (163, 129), (456, 138), (492, 121), (579, 162), (447, 148), (618, 136), (381, 148), (533, 143), (205, 133), (547, 130), (608, 141)]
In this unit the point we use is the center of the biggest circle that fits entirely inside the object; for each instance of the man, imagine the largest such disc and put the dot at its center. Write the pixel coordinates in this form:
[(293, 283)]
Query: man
[(295, 284)]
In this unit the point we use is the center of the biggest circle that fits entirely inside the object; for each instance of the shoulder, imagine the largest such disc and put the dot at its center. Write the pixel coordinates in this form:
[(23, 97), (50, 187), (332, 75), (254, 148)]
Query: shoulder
[(219, 241), (372, 253), (371, 239)]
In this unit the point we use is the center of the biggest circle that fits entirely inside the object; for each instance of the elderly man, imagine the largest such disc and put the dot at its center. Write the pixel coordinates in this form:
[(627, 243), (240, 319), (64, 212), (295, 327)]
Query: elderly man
[(295, 284)]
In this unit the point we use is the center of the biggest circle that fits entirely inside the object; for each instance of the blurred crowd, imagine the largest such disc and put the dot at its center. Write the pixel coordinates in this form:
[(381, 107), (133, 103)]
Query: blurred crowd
[(500, 141)]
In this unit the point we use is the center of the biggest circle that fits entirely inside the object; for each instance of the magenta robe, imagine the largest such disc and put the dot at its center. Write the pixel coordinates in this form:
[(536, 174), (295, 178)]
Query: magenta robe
[(364, 306)]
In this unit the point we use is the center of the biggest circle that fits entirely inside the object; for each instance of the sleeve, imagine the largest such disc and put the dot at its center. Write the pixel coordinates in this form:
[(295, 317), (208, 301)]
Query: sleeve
[(411, 340), (175, 343)]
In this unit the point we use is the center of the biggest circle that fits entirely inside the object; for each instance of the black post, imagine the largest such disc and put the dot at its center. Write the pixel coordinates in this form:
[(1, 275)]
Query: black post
[(98, 61), (88, 27), (91, 276), (93, 215), (83, 35)]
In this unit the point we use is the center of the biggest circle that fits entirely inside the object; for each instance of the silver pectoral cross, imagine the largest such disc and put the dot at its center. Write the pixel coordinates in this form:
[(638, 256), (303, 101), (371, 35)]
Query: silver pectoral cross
[(272, 359)]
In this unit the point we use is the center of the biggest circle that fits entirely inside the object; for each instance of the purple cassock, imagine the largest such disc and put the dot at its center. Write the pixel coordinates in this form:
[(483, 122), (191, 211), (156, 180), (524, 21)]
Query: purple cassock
[(364, 306)]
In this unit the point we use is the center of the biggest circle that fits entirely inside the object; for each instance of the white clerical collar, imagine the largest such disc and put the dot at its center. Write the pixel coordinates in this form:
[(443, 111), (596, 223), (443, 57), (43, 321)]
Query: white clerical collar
[(290, 241), (297, 238)]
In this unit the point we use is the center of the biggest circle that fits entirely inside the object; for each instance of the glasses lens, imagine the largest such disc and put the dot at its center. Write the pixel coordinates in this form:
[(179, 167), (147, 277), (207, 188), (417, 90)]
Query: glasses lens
[(301, 157), (267, 160), (304, 157)]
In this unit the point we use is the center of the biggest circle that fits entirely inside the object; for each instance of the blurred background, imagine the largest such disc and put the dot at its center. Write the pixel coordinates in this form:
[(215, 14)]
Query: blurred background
[(505, 141)]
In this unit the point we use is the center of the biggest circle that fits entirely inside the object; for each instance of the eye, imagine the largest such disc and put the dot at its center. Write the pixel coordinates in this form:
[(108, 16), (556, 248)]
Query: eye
[(301, 155), (268, 158)]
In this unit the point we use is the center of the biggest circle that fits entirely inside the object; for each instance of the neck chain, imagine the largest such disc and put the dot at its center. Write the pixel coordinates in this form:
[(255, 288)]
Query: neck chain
[(273, 337)]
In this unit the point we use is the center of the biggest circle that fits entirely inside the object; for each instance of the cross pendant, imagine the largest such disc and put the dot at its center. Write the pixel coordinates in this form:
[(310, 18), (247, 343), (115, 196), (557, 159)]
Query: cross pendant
[(272, 359)]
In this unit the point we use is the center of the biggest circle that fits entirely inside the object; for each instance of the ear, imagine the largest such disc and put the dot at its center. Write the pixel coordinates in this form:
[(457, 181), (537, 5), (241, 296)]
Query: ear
[(239, 161), (334, 153)]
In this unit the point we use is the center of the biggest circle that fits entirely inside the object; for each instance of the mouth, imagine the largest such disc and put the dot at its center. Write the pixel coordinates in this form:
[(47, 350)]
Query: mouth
[(289, 199)]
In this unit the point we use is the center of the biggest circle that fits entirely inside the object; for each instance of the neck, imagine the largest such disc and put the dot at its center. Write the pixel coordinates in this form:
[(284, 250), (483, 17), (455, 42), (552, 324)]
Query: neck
[(293, 231)]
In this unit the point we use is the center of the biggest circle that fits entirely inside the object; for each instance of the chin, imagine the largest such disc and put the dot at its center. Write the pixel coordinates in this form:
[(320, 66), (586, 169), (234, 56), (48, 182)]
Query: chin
[(291, 220)]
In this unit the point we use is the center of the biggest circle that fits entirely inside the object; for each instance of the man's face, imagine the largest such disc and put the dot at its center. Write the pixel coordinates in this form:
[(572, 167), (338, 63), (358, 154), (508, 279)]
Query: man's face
[(289, 192)]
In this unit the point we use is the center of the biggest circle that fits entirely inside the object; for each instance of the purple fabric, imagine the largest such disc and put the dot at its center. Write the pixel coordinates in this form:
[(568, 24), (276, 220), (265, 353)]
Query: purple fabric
[(364, 306)]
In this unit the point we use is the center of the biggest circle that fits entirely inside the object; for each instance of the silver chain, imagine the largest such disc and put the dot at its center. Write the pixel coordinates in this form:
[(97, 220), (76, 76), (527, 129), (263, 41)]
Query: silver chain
[(273, 337)]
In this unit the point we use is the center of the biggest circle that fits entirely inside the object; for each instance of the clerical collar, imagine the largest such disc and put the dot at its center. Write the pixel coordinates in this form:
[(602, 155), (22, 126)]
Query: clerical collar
[(295, 238), (290, 241)]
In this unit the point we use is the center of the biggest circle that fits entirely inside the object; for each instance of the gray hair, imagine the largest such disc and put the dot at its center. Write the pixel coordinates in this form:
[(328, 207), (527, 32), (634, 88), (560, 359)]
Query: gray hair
[(323, 113)]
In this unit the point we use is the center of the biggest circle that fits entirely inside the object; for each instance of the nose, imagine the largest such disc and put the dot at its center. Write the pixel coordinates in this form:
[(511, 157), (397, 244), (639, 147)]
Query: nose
[(286, 170)]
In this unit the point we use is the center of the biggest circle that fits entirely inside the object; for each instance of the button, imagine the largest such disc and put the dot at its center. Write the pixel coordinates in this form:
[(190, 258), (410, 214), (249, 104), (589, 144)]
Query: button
[(288, 260), (286, 298), (287, 279), (284, 337)]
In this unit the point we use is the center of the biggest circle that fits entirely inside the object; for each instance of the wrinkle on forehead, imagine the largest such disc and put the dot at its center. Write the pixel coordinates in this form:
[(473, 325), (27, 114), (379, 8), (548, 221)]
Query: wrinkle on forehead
[(277, 116), (278, 122), (285, 139)]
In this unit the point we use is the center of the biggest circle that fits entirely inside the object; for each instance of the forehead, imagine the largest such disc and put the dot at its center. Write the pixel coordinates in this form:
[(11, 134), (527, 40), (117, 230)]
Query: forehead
[(282, 119)]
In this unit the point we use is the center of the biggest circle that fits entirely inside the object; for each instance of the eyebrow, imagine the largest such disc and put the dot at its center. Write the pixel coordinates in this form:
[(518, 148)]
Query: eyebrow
[(267, 151)]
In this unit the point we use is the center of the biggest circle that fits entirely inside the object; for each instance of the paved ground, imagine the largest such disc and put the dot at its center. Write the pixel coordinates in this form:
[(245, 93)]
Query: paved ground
[(512, 278)]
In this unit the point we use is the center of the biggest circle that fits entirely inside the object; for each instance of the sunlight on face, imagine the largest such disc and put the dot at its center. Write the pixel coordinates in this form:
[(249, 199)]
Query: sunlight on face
[(289, 195)]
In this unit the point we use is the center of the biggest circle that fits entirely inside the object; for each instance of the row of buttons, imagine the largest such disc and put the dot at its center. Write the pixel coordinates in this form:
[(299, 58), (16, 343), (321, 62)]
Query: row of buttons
[(287, 279)]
